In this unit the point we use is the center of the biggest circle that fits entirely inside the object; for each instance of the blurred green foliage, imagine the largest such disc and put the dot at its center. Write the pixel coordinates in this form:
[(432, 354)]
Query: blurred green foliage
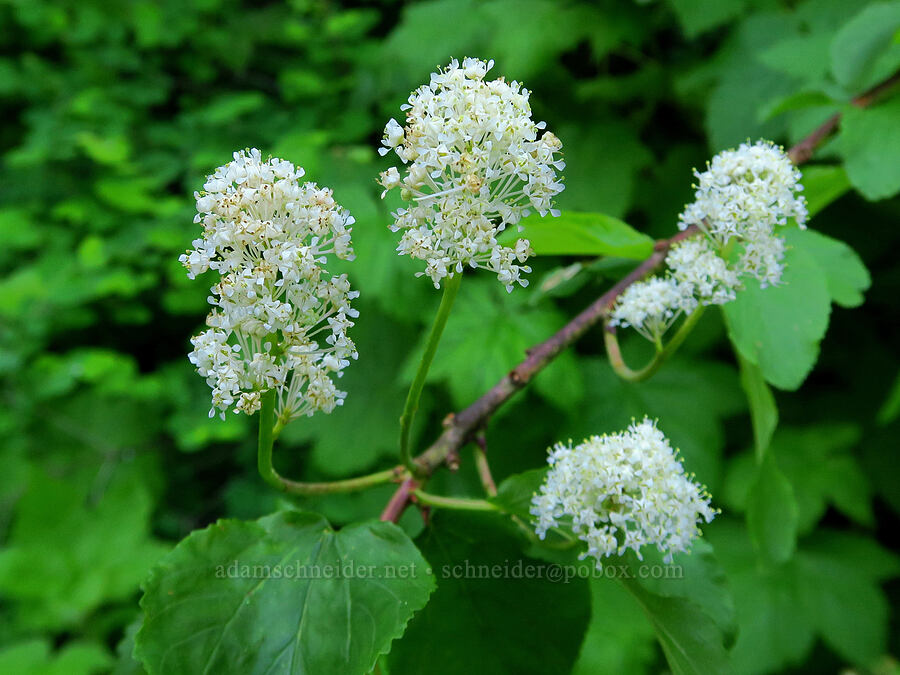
[(114, 111)]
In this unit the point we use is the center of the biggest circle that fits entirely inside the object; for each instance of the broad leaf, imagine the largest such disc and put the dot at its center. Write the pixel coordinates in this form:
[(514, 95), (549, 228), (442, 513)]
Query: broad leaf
[(692, 642), (779, 328), (514, 494), (870, 144), (864, 41), (845, 274), (829, 588), (492, 606), (284, 594), (585, 234)]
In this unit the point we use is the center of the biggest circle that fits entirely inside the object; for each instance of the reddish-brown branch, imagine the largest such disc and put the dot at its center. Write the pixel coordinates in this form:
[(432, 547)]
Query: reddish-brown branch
[(399, 501)]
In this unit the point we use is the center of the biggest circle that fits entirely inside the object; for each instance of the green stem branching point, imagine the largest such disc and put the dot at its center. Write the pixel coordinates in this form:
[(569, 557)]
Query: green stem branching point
[(451, 287), (617, 361), (272, 477)]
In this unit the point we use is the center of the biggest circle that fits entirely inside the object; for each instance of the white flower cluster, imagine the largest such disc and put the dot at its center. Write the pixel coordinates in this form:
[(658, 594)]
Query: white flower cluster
[(740, 200), (622, 491), (651, 306), (477, 163), (279, 320), (743, 195)]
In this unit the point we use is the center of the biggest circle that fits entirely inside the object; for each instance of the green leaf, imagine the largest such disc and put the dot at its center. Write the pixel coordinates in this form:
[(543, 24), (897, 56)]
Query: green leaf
[(822, 185), (574, 233), (890, 409), (491, 605), (791, 102), (494, 329), (779, 328), (870, 144), (692, 642), (514, 493), (699, 579), (620, 639), (285, 593), (34, 657), (772, 513), (819, 462), (862, 41), (763, 411), (845, 274), (67, 556), (829, 588), (697, 16)]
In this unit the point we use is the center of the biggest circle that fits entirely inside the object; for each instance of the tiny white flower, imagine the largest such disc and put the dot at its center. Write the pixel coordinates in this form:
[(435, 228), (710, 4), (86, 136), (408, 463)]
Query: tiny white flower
[(622, 491)]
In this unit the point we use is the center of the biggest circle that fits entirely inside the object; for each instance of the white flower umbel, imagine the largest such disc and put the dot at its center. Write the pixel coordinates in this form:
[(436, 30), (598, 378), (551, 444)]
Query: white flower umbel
[(702, 275), (650, 307), (745, 194), (476, 163), (622, 491), (279, 320)]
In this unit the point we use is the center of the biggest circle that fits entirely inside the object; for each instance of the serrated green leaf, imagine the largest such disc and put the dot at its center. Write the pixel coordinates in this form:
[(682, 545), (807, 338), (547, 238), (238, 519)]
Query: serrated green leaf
[(829, 588), (487, 607), (575, 233), (779, 328), (870, 144), (862, 41), (233, 598), (845, 273), (772, 513), (699, 579), (690, 639)]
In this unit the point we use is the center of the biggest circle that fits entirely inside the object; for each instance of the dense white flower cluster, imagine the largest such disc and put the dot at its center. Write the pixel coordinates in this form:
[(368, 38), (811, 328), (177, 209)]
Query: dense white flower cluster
[(622, 491), (745, 194), (650, 306), (477, 163), (279, 320), (741, 200)]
